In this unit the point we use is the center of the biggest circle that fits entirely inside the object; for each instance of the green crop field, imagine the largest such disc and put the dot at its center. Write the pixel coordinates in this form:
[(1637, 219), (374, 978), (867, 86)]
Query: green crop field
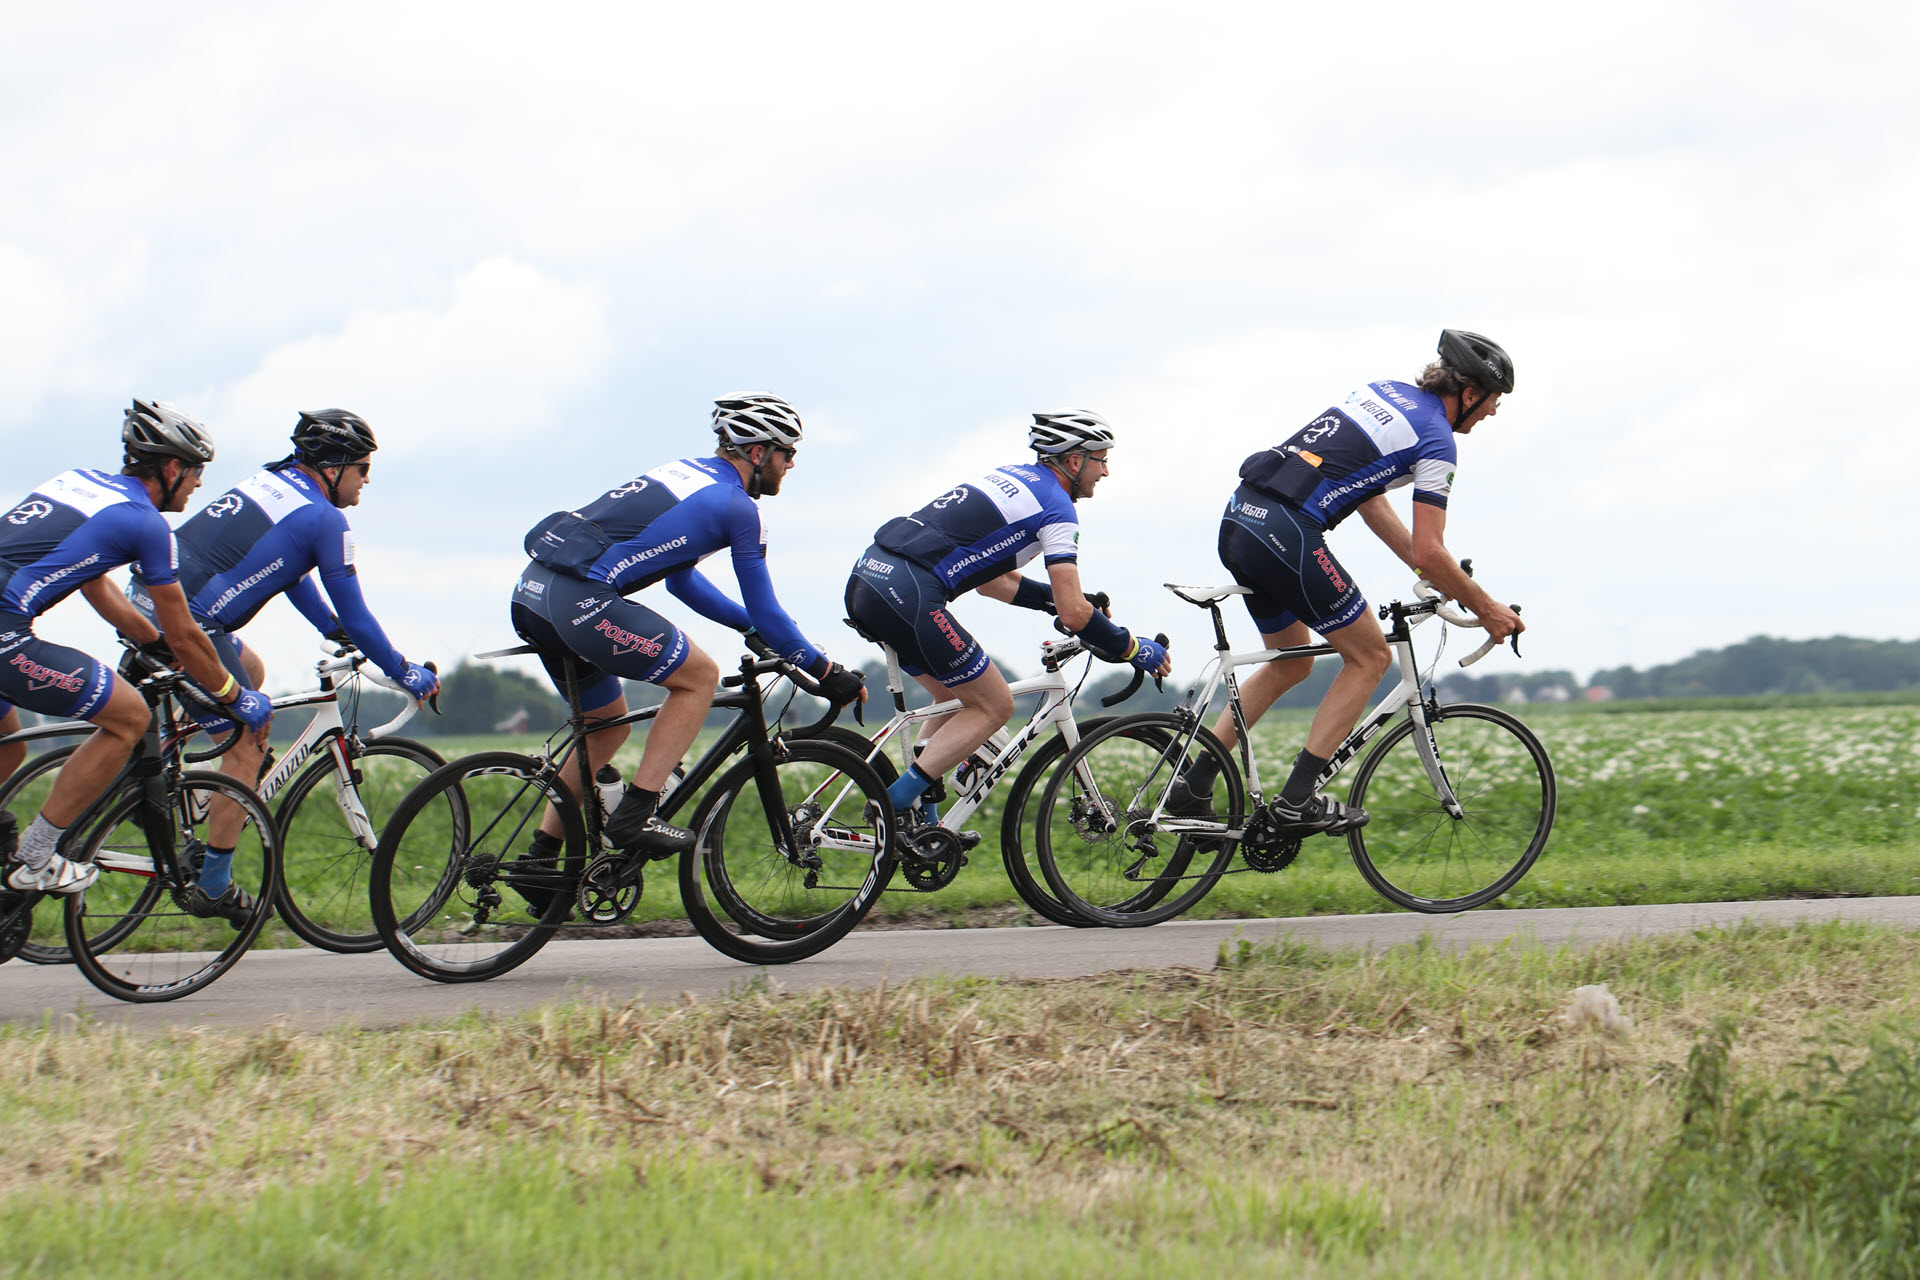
[(1662, 805)]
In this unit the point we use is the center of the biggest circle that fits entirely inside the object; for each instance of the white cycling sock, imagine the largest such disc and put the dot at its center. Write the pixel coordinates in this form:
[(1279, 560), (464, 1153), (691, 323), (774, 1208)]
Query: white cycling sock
[(37, 843)]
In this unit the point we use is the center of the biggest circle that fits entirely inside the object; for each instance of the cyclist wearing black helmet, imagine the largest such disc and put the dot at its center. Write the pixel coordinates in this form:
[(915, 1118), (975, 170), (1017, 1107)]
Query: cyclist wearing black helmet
[(975, 537), (267, 536), (1273, 540), (571, 602), (63, 537)]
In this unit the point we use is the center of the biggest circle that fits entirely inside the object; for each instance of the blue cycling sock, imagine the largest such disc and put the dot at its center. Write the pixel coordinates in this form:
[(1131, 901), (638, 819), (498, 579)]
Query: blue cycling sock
[(911, 786), (216, 873)]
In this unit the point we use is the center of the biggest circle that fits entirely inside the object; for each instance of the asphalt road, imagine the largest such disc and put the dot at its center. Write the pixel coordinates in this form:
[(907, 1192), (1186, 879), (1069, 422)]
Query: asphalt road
[(314, 989)]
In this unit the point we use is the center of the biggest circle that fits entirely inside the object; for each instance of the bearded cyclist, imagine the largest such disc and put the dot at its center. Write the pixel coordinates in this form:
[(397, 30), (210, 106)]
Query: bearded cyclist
[(1273, 540), (267, 536), (975, 537), (571, 604), (61, 538)]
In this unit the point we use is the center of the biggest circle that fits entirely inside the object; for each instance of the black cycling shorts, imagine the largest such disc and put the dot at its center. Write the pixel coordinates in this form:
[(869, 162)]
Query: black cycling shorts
[(1266, 544), (225, 644), (50, 678), (903, 606), (609, 637)]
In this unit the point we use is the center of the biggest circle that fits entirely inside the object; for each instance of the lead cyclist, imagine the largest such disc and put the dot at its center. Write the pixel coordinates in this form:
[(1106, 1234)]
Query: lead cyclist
[(1273, 540)]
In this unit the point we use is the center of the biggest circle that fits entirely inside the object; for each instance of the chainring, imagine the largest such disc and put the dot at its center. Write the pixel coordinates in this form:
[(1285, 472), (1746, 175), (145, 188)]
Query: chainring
[(610, 889), (16, 924), (930, 858), (1266, 849)]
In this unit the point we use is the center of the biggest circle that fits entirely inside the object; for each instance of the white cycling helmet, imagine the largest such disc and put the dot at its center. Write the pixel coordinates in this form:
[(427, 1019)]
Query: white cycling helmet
[(1069, 431), (754, 417)]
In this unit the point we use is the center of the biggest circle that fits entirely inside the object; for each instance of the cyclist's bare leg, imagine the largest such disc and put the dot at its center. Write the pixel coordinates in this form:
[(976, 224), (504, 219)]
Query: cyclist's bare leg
[(986, 704), (1259, 691), (689, 698), (92, 766), (225, 818), (1363, 650), (13, 753)]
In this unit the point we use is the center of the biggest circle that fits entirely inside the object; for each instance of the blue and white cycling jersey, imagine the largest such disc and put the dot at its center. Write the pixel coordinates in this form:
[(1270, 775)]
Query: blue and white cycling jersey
[(980, 530), (1386, 434), (263, 537), (662, 524), (74, 528)]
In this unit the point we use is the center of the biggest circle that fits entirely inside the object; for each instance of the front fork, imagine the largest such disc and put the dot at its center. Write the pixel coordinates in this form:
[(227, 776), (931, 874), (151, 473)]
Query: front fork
[(1424, 713), (348, 795)]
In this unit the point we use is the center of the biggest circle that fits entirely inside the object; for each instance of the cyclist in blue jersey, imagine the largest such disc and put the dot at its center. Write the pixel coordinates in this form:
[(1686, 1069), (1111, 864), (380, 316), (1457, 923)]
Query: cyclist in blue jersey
[(570, 602), (1273, 540), (268, 535), (975, 537), (63, 537)]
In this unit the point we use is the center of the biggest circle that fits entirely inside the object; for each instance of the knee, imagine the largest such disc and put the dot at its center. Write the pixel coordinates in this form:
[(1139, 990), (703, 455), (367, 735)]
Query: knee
[(255, 667), (1291, 671), (998, 707), (698, 674), (1375, 659)]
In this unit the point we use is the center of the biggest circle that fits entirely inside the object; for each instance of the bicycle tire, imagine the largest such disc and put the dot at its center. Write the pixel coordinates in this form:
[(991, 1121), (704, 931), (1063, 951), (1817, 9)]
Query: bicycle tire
[(762, 908), (453, 919), (322, 893), (1509, 798), (166, 953), (25, 782), (1097, 873), (1016, 856)]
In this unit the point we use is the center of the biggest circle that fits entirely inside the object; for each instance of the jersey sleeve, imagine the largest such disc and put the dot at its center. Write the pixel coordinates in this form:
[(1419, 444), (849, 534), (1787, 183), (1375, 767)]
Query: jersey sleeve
[(692, 587), (1059, 538), (1433, 473), (154, 551), (748, 539), (304, 595), (333, 556)]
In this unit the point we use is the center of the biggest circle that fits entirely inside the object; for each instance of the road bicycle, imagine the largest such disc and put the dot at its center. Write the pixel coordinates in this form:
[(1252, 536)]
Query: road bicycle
[(793, 843), (130, 932), (931, 855), (1460, 797), (321, 894)]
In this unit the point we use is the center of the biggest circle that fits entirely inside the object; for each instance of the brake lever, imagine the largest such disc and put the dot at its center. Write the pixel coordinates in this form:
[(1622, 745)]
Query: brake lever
[(1515, 638), (433, 699)]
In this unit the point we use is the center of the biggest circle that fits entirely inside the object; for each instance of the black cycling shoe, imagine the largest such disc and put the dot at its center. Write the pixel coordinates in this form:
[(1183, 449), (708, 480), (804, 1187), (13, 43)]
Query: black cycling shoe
[(541, 861), (1184, 802), (234, 906), (1318, 813), (634, 827)]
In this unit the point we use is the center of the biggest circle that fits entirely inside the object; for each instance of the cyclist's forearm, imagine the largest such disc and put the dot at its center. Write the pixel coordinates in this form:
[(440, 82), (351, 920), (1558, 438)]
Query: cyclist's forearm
[(108, 601), (189, 643), (1387, 526)]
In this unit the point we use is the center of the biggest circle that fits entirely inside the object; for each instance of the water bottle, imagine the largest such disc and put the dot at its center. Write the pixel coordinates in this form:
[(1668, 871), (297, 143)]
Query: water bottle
[(607, 782)]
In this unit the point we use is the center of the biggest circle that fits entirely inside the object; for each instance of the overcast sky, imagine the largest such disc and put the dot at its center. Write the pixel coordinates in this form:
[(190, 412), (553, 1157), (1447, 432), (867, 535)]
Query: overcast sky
[(530, 244)]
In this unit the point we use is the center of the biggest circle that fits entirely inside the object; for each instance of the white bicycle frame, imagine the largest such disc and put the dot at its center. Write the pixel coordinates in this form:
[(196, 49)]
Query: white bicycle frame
[(328, 732), (1405, 696), (1002, 751)]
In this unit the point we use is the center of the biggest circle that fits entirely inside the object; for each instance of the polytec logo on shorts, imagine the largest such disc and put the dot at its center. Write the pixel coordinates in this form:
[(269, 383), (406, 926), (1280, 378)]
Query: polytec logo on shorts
[(1326, 562), (947, 629), (39, 677), (625, 641)]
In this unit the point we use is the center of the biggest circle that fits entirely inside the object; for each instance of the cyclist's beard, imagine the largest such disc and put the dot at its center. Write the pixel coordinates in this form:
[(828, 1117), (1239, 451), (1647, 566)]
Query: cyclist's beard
[(768, 483)]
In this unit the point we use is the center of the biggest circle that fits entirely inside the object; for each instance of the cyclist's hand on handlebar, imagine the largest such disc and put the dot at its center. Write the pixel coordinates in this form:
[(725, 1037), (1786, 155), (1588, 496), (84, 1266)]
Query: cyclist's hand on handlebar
[(420, 682), (251, 708), (1502, 621), (1151, 657), (841, 686)]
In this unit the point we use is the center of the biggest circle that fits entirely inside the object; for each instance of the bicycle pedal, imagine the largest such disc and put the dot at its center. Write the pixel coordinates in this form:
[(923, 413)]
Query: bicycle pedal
[(969, 840)]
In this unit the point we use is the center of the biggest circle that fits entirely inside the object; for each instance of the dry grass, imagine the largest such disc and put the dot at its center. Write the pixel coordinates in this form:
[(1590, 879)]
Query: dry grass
[(1321, 1103)]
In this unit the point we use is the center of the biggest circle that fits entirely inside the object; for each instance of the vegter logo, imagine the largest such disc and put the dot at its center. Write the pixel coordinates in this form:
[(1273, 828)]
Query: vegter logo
[(31, 509), (625, 641), (39, 677)]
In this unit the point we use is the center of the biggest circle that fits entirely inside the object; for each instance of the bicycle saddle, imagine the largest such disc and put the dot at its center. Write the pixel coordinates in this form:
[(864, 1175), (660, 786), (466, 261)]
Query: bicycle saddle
[(1205, 596)]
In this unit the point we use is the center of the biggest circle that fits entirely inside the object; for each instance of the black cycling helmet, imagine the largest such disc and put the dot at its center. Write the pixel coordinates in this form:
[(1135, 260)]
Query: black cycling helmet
[(1479, 360), (156, 430), (332, 437)]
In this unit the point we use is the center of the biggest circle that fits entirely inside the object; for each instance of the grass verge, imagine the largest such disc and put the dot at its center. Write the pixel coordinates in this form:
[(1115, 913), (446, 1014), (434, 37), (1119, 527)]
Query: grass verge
[(1292, 1112)]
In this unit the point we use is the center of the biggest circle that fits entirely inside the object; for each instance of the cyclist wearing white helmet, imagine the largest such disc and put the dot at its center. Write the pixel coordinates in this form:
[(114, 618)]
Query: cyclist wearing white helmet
[(1273, 540), (975, 537), (63, 537), (657, 528)]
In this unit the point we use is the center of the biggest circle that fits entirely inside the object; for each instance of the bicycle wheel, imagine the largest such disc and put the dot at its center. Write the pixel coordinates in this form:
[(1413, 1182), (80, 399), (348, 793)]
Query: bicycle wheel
[(24, 793), (754, 902), (322, 894), (1089, 834), (447, 880), (1418, 855), (130, 932), (1017, 852)]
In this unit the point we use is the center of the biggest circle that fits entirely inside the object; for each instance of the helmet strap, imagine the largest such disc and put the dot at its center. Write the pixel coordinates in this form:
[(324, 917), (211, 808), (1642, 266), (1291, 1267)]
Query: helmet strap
[(170, 487), (755, 486), (1073, 490)]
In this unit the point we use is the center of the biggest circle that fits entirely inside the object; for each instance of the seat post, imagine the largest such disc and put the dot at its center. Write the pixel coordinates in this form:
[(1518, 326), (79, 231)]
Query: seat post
[(1219, 629), (896, 682)]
